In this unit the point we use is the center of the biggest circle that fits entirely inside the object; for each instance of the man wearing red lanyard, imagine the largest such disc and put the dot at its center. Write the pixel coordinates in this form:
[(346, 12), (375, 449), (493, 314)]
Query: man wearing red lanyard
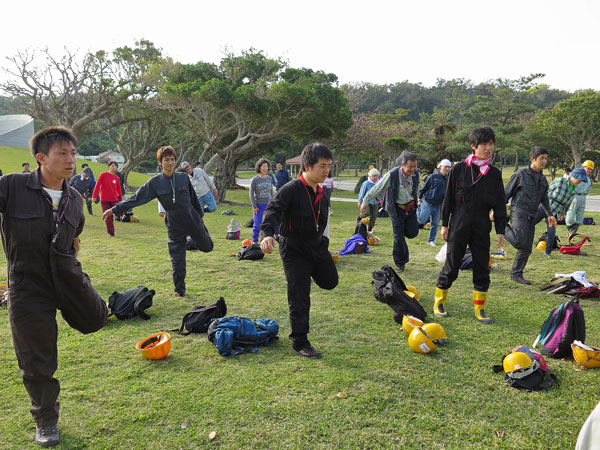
[(300, 210)]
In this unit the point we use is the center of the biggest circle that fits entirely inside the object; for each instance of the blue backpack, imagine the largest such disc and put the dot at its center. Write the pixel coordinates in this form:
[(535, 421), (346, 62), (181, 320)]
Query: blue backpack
[(235, 335)]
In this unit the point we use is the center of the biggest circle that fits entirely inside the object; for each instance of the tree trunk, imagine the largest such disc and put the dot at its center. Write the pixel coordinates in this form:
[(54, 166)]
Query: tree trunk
[(225, 176)]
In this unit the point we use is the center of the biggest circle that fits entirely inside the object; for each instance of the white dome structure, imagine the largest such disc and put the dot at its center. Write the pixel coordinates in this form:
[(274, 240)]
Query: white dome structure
[(16, 130)]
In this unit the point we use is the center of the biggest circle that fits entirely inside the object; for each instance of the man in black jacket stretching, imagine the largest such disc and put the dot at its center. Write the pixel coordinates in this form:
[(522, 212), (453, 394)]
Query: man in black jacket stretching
[(474, 189), (301, 210)]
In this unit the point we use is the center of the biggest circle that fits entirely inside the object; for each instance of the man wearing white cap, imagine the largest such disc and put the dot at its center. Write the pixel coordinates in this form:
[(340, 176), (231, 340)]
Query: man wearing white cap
[(431, 196), (203, 185), (373, 203)]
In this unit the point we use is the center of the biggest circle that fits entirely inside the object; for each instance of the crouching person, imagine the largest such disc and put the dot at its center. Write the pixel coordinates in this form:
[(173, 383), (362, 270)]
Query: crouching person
[(41, 219), (300, 209), (474, 189)]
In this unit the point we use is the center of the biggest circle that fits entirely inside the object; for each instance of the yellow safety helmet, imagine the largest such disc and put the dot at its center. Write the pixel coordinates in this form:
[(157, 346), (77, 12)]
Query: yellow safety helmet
[(436, 332), (410, 322), (134, 219), (373, 240), (586, 356), (541, 245), (365, 220), (589, 164), (335, 256), (412, 291), (156, 346), (519, 365), (420, 342)]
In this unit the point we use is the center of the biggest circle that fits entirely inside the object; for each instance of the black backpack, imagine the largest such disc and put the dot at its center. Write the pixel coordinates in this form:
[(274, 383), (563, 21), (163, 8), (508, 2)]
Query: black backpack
[(131, 303), (250, 252), (544, 237), (389, 289), (200, 317)]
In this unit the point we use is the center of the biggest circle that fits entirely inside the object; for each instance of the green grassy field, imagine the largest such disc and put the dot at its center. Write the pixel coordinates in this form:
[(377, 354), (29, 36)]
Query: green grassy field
[(369, 391)]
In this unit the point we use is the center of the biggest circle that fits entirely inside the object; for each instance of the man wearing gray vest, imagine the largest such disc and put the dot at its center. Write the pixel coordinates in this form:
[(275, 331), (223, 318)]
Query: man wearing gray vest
[(402, 185)]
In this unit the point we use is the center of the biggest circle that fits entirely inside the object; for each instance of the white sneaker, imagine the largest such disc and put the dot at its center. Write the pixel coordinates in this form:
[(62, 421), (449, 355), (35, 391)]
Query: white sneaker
[(433, 244)]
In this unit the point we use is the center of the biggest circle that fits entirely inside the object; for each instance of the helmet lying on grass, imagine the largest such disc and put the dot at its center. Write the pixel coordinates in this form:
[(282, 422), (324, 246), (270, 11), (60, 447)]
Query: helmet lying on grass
[(586, 356), (156, 346), (420, 342)]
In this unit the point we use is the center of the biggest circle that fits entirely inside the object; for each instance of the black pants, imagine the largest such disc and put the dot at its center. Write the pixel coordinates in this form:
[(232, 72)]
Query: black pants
[(479, 242), (303, 260), (405, 226), (520, 234), (177, 231), (33, 300)]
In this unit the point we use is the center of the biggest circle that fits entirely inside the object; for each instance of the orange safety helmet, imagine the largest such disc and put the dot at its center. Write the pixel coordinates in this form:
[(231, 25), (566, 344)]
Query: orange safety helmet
[(156, 346), (246, 242)]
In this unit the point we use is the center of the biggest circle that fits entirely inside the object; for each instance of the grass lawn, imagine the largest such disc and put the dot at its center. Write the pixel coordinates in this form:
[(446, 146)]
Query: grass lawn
[(369, 391)]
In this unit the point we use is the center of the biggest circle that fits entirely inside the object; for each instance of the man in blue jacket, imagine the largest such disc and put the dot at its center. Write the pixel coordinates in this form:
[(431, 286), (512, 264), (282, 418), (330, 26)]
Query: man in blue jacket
[(432, 196)]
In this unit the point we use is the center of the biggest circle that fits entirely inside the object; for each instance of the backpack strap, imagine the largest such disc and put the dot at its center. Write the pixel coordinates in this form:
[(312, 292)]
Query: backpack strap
[(549, 327)]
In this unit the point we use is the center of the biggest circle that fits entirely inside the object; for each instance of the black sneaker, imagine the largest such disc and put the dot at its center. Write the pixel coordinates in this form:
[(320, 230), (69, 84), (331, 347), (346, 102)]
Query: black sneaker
[(47, 436), (309, 352), (179, 294), (521, 280), (400, 268)]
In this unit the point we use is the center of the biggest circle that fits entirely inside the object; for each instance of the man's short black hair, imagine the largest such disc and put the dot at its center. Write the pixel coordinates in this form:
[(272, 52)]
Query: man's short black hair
[(24, 164), (113, 162), (84, 165), (197, 163), (313, 152), (568, 170), (405, 157), (481, 135), (43, 139), (537, 151)]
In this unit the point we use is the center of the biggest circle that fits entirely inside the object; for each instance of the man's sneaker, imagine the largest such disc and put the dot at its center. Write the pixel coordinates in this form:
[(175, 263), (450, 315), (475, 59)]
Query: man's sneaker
[(432, 244), (400, 268), (47, 436), (309, 352), (521, 280), (179, 294)]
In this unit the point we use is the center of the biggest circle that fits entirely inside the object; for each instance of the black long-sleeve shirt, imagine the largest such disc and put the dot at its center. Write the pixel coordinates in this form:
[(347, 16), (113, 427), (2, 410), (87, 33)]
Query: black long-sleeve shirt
[(471, 196), (527, 190), (298, 210)]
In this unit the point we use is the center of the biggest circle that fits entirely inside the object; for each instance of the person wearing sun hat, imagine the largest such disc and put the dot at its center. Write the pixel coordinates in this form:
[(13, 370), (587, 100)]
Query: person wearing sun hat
[(431, 196)]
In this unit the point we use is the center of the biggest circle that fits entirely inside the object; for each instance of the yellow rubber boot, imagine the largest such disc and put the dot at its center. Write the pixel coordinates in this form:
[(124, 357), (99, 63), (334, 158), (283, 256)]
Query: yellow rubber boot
[(478, 303), (440, 297)]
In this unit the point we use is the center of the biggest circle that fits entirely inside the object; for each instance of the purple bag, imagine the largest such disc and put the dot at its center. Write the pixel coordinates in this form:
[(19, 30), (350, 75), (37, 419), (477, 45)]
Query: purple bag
[(564, 325)]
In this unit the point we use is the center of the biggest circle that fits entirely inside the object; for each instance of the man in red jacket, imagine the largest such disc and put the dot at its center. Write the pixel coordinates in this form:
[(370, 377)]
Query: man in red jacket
[(109, 188)]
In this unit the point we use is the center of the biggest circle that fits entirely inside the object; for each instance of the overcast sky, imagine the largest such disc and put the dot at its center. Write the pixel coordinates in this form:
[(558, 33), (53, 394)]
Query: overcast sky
[(372, 41)]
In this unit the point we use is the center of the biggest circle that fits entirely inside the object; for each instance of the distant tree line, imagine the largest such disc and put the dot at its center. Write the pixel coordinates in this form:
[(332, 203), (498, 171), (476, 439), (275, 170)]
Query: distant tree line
[(250, 105)]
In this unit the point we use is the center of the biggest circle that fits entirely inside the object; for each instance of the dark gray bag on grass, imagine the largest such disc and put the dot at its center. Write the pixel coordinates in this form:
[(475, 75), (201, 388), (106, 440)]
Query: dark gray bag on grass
[(131, 303), (389, 289), (250, 252), (200, 317)]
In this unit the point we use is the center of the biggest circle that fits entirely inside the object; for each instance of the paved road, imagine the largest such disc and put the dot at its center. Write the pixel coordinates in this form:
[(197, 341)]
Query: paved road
[(592, 204)]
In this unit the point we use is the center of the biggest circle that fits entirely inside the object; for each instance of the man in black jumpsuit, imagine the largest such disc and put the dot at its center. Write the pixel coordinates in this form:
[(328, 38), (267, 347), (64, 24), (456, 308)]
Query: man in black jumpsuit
[(41, 218), (301, 210), (183, 212), (527, 190), (474, 189)]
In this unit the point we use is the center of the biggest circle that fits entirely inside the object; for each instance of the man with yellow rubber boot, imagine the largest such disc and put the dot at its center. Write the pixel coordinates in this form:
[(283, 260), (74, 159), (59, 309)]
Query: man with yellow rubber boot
[(474, 189)]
